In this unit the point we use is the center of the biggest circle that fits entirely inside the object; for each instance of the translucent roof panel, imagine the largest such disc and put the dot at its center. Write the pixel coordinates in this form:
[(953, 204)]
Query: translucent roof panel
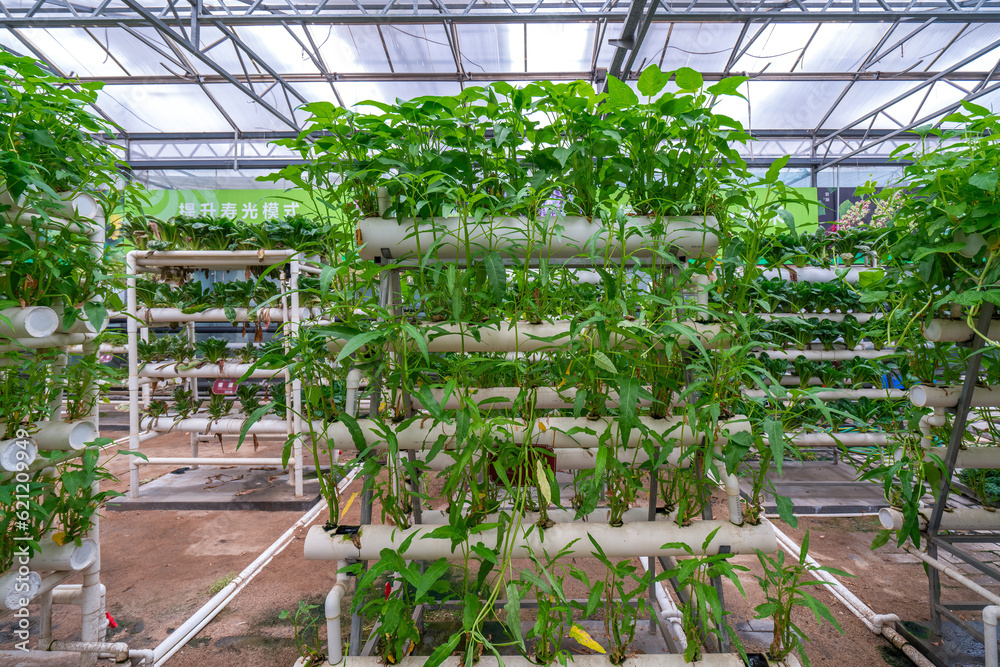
[(419, 48), (353, 92), (346, 48), (563, 47), (492, 48), (163, 108), (279, 47), (919, 50), (777, 47), (701, 46), (975, 38), (843, 47), (249, 115), (782, 104)]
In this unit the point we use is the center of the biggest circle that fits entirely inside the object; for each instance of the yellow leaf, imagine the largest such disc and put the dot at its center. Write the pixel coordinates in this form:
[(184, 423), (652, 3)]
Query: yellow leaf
[(580, 635), (541, 427), (543, 482), (59, 538)]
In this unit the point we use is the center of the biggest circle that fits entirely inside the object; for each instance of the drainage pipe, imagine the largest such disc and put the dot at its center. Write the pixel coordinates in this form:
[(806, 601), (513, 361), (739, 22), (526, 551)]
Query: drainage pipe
[(878, 623), (953, 573), (28, 322), (191, 627), (617, 542), (927, 396), (990, 615), (117, 649), (193, 461), (334, 637), (669, 611), (565, 238), (972, 518)]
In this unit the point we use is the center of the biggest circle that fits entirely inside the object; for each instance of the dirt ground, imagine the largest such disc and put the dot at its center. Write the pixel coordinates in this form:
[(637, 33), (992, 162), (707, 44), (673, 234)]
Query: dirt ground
[(159, 567)]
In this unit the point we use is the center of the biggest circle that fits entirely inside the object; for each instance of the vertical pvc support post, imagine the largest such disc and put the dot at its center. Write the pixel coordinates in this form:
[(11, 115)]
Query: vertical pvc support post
[(653, 488), (45, 621), (58, 368), (990, 615), (293, 319), (192, 384), (133, 375)]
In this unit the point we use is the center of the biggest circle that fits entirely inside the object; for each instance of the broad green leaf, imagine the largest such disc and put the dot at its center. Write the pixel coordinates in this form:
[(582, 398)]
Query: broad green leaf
[(357, 342), (496, 274), (604, 363), (689, 79), (652, 80), (776, 439), (984, 180), (736, 450), (620, 94), (786, 510), (728, 86), (96, 313)]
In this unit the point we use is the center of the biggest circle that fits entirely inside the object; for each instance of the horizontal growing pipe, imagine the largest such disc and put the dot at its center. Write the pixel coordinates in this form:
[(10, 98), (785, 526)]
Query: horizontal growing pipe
[(835, 439), (956, 331), (970, 518), (168, 369), (839, 394), (546, 432), (274, 314), (502, 398), (226, 425), (64, 557), (211, 258), (570, 236), (203, 460), (812, 274), (828, 355), (571, 539), (833, 317), (926, 396), (55, 340), (64, 436), (575, 459), (640, 660), (598, 516), (29, 322)]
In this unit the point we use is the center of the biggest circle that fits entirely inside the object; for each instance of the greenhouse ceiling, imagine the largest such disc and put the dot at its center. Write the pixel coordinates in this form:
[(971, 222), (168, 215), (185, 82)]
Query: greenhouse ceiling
[(209, 83)]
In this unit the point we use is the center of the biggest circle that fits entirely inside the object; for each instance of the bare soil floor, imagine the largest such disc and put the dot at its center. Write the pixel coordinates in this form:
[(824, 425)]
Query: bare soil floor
[(160, 566)]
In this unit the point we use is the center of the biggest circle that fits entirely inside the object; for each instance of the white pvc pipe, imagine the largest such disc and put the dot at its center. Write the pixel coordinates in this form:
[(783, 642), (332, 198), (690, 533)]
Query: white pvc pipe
[(191, 627), (974, 457), (835, 439), (828, 355), (956, 331), (168, 369), (17, 454), (55, 340), (226, 425), (839, 394), (546, 432), (29, 322), (833, 317), (990, 615), (669, 611), (64, 436), (617, 542), (271, 314), (203, 460), (64, 557), (502, 398), (926, 396), (877, 623), (211, 259), (335, 649), (19, 586), (953, 573), (812, 274), (638, 660), (568, 237), (117, 649), (560, 516), (970, 518), (570, 458)]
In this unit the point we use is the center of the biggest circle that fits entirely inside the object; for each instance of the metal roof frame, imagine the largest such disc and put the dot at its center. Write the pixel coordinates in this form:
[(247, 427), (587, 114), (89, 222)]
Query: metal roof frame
[(190, 59)]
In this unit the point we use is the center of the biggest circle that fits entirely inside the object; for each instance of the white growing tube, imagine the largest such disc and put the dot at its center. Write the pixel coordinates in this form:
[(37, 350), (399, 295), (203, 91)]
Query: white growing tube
[(502, 398), (18, 588), (835, 439), (926, 396), (617, 542), (335, 652), (64, 557), (966, 518), (29, 322), (55, 340), (169, 369), (694, 235), (570, 459), (829, 355), (64, 436), (956, 331), (639, 660), (16, 453), (812, 274)]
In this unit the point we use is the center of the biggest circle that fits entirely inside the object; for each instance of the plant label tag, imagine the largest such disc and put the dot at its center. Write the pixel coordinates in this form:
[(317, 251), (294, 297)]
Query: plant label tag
[(224, 387), (105, 357)]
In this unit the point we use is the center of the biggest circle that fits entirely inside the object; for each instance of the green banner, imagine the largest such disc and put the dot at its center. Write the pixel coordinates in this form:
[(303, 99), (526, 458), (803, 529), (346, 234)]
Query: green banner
[(249, 205)]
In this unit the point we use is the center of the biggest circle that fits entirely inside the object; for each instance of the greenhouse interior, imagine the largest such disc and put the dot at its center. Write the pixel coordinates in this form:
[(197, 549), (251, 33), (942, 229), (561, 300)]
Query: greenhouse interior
[(503, 333)]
